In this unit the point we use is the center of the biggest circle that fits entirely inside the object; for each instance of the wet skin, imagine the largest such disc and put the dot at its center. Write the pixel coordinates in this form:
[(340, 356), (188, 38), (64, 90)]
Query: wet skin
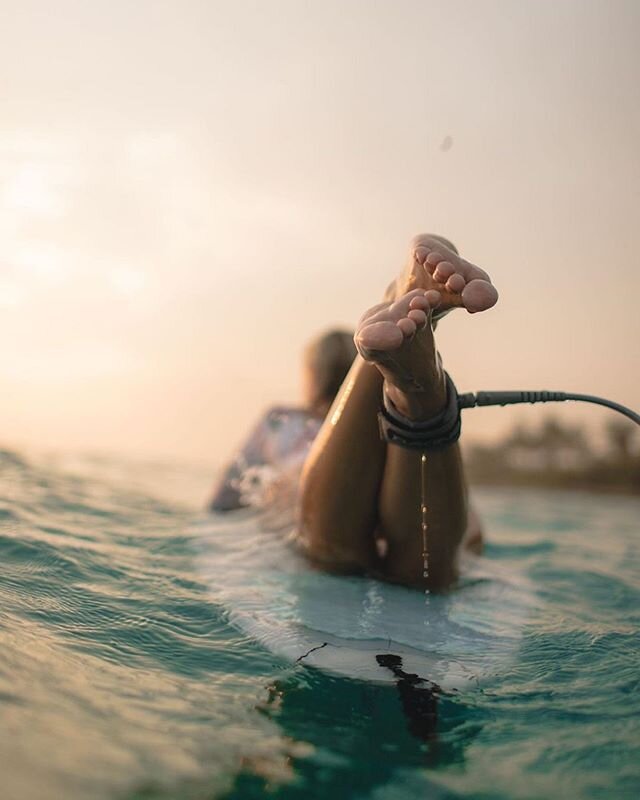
[(358, 491)]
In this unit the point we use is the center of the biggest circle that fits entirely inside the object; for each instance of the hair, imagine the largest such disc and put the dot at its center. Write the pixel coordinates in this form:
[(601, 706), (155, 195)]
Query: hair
[(329, 356)]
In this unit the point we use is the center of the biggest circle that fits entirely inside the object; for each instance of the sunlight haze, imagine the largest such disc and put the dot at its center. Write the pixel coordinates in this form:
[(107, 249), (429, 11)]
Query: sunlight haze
[(190, 190)]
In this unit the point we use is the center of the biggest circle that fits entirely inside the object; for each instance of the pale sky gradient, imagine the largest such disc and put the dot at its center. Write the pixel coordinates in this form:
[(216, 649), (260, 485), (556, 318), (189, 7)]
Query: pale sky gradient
[(190, 189)]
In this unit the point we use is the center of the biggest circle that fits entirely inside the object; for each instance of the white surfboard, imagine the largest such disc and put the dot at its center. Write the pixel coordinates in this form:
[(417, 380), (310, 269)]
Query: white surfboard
[(342, 624)]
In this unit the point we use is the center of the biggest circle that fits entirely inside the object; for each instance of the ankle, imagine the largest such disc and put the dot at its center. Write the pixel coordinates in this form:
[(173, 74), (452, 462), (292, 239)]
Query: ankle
[(419, 404)]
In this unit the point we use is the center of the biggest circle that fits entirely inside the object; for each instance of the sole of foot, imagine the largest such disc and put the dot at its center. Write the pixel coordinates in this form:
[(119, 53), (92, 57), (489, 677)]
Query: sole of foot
[(397, 337), (451, 281)]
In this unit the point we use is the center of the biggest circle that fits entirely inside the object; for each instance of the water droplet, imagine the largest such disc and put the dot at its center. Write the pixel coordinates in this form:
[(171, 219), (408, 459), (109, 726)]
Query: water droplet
[(425, 531)]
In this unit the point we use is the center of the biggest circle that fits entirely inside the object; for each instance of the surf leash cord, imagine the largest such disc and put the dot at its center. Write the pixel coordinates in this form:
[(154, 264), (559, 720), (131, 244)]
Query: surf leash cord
[(443, 429), (477, 399)]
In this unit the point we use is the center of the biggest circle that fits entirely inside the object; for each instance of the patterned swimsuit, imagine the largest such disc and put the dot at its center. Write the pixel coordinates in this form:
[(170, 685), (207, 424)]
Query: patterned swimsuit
[(274, 453)]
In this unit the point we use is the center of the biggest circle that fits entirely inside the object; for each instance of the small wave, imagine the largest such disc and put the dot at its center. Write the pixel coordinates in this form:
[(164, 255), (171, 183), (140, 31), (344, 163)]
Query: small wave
[(121, 676)]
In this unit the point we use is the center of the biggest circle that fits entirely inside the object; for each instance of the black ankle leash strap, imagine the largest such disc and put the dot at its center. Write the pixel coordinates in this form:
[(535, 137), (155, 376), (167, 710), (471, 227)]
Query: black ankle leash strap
[(436, 433), (443, 429)]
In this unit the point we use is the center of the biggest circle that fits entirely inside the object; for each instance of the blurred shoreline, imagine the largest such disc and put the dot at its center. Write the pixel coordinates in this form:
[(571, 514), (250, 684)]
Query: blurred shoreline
[(554, 455), (548, 455)]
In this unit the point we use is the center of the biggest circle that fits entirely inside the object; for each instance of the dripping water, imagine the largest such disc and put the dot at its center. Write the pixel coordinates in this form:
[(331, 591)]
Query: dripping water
[(425, 528)]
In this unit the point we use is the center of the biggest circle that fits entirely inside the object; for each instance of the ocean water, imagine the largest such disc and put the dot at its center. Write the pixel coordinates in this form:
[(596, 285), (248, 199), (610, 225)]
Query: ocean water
[(120, 676)]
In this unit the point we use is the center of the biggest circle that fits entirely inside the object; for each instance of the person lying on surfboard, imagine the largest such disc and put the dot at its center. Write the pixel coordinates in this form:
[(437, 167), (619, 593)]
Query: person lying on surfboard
[(279, 443), (360, 493)]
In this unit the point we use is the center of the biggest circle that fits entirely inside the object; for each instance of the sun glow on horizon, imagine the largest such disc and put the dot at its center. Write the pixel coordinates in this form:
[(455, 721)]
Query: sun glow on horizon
[(167, 244)]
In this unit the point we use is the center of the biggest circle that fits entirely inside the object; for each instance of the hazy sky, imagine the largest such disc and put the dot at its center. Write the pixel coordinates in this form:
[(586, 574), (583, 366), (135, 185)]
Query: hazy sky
[(189, 190)]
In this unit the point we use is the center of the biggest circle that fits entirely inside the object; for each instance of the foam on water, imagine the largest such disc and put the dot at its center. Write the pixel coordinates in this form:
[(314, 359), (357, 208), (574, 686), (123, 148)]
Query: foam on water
[(121, 677)]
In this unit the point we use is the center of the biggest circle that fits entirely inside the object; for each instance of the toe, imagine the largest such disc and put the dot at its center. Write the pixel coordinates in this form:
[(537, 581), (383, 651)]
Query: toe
[(478, 295), (420, 302), (456, 283), (418, 316), (422, 245), (401, 307), (407, 326), (380, 336), (443, 271), (420, 254), (433, 259), (434, 297)]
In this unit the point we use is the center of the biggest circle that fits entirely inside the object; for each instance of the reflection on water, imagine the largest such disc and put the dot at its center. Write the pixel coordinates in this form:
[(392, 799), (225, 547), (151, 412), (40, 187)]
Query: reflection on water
[(360, 736), (120, 677)]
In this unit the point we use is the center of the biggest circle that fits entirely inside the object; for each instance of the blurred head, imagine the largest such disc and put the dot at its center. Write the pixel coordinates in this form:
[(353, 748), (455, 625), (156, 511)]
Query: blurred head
[(326, 361)]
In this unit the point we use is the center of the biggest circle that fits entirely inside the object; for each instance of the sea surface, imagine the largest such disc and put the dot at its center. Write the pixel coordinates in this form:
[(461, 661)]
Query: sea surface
[(120, 676)]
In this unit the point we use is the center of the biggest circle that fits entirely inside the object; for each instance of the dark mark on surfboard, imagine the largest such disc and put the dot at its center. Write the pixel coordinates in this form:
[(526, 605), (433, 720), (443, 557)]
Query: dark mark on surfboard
[(319, 647), (394, 663), (418, 697)]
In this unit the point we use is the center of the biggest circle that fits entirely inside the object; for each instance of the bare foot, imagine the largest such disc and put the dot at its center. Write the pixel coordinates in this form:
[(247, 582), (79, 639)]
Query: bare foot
[(398, 338), (452, 282)]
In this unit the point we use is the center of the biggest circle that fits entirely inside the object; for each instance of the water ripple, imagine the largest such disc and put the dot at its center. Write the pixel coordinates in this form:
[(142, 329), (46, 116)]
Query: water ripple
[(121, 678)]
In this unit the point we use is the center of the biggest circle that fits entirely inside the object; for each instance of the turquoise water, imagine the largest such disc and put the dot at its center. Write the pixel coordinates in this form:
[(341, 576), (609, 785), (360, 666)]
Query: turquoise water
[(121, 678)]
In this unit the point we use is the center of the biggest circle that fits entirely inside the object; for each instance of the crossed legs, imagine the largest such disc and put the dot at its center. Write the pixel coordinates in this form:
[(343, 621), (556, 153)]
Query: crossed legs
[(360, 502)]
